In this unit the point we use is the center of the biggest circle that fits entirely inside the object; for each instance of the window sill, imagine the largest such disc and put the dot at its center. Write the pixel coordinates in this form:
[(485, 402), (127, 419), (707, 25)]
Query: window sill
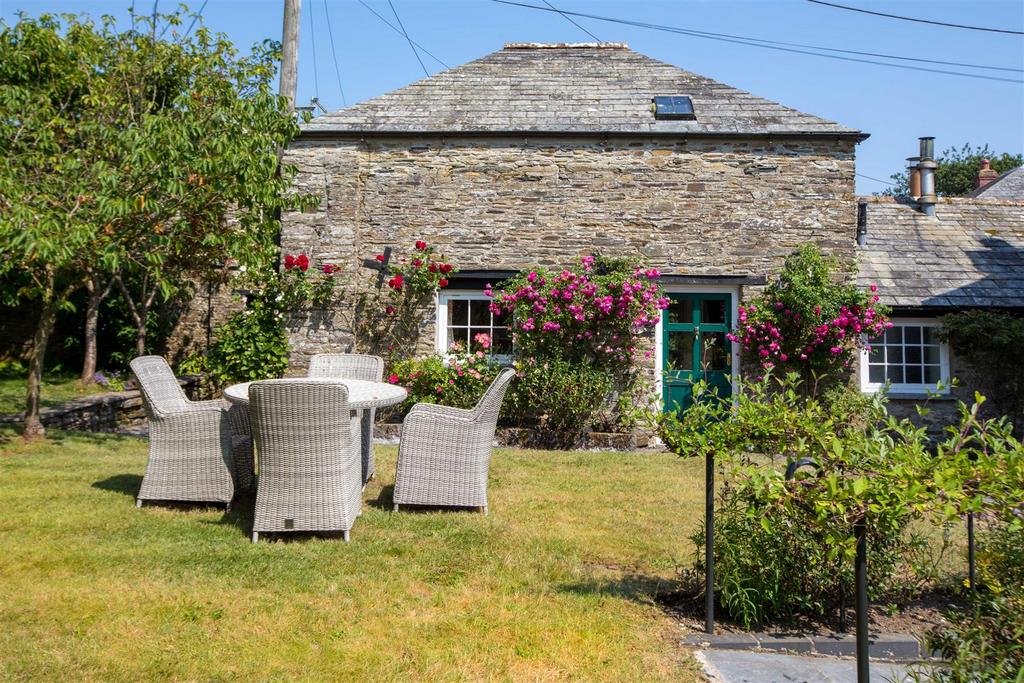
[(919, 396)]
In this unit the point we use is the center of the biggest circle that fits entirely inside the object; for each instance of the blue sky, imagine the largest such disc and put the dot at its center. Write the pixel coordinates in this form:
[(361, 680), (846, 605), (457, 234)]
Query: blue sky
[(894, 105)]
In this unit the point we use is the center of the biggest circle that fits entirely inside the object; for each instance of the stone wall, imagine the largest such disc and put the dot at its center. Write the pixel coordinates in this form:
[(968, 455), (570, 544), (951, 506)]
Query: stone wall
[(209, 307), (107, 412), (695, 207)]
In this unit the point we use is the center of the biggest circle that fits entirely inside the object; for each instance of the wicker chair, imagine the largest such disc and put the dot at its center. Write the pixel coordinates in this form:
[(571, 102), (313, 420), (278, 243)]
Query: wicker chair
[(445, 452), (353, 366), (195, 453), (309, 471)]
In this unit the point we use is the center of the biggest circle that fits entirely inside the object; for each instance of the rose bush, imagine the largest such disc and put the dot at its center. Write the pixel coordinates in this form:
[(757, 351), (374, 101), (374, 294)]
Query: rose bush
[(598, 312), (807, 322), (389, 319)]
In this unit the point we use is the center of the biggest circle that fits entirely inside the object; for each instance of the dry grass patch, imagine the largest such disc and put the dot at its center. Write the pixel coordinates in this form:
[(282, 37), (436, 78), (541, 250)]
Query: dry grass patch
[(555, 583)]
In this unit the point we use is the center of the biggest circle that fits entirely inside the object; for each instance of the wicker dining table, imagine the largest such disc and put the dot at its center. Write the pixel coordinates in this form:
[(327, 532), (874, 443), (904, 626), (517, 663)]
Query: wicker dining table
[(362, 395)]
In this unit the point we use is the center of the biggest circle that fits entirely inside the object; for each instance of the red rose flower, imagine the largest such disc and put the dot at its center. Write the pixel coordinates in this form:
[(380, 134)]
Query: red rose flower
[(417, 262), (393, 378), (396, 282), (446, 268), (289, 262), (389, 310), (442, 282), (302, 261), (379, 257), (330, 268), (421, 245), (432, 267)]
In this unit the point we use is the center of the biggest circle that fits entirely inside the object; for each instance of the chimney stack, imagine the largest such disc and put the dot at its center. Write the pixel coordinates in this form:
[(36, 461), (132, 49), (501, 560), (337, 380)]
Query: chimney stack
[(985, 175), (914, 175), (926, 168)]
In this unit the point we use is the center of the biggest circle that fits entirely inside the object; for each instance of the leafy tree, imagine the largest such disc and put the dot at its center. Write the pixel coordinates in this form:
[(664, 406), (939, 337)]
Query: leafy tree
[(135, 160), (957, 171)]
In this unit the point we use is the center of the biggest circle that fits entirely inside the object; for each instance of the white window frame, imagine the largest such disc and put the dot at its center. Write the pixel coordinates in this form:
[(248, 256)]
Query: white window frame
[(441, 323), (869, 387)]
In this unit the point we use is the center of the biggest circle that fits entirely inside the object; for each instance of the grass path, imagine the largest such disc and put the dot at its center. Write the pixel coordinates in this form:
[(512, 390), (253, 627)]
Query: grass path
[(54, 391), (554, 584)]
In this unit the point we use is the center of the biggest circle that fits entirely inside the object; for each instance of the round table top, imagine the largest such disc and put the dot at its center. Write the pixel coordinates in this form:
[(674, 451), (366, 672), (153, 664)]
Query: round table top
[(361, 393)]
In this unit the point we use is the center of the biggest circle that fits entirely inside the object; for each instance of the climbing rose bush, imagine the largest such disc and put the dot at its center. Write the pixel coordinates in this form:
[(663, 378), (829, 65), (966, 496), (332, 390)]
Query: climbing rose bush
[(806, 322), (596, 312), (390, 317), (424, 272)]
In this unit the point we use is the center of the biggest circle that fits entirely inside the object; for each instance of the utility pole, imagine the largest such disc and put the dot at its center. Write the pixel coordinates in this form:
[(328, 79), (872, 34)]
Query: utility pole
[(290, 50)]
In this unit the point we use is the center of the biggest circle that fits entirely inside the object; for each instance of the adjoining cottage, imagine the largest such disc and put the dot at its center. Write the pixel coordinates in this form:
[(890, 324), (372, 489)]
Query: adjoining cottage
[(539, 154), (930, 257)]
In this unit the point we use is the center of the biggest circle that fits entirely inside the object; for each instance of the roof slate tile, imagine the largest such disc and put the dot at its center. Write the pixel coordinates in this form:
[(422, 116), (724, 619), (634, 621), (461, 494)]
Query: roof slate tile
[(567, 89), (970, 254)]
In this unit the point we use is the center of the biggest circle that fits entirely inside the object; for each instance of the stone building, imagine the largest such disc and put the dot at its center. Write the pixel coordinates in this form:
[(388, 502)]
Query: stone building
[(928, 260), (539, 154)]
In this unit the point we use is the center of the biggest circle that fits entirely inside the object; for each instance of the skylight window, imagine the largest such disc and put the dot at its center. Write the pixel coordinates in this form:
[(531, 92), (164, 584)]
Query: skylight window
[(676, 108)]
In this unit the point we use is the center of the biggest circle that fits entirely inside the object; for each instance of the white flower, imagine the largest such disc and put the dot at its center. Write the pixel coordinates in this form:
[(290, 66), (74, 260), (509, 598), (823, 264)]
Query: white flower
[(241, 269)]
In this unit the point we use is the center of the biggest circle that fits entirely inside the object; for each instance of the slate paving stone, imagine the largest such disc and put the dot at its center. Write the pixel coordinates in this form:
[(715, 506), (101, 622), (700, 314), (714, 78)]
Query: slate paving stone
[(730, 666)]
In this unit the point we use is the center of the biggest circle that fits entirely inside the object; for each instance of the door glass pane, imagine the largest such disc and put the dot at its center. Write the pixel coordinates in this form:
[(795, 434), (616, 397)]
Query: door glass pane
[(479, 313), (680, 351), (716, 352), (712, 312), (680, 311), (458, 312)]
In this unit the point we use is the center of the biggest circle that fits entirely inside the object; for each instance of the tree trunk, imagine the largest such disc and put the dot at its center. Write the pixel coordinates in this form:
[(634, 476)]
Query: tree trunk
[(92, 316), (47, 317), (139, 312), (140, 338)]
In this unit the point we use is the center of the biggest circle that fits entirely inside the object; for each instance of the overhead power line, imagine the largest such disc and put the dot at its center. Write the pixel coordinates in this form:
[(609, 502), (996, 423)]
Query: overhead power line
[(795, 48), (572, 21), (195, 17), (401, 33), (877, 180), (406, 34), (334, 55), (916, 19)]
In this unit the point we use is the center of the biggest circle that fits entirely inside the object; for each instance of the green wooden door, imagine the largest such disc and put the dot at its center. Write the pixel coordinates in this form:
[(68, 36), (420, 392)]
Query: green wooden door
[(694, 346)]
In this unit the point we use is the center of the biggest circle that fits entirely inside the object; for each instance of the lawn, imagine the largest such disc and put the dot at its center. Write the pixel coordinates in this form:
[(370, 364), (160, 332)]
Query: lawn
[(54, 390), (555, 583)]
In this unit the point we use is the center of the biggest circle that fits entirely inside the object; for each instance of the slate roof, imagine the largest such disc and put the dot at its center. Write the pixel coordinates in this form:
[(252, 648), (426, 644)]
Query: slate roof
[(572, 89), (971, 254), (1009, 185)]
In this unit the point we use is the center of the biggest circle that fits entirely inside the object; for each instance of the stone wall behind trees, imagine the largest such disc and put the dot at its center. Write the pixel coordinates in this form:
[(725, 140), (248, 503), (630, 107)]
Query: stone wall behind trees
[(694, 207)]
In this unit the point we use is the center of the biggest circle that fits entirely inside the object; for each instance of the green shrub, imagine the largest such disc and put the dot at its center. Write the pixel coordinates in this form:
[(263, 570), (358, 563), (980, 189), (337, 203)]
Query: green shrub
[(872, 470), (559, 398), (774, 564), (986, 641), (456, 381), (993, 343), (251, 345)]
